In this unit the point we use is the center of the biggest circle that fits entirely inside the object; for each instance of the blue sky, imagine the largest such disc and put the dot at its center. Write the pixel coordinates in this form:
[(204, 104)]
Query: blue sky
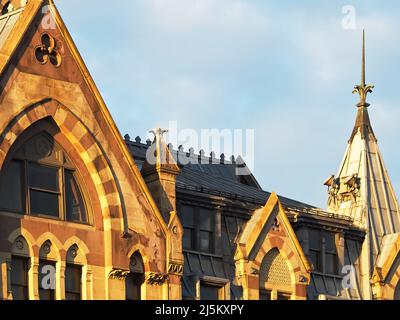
[(283, 68)]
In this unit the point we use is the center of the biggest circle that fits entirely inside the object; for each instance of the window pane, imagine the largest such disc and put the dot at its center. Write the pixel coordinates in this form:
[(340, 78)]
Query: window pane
[(188, 241), (206, 220), (331, 264), (11, 188), (19, 278), (205, 244), (208, 292), (42, 177), (187, 216), (47, 281), (73, 275), (330, 242), (74, 201), (133, 284), (314, 239), (314, 257), (43, 203)]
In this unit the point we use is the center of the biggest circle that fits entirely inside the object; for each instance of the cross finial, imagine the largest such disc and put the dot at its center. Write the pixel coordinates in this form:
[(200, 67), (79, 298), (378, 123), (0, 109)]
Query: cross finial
[(363, 89)]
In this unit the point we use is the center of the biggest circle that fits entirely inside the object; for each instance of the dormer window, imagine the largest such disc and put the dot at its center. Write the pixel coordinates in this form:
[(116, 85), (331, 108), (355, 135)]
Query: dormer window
[(199, 229), (322, 251), (40, 180)]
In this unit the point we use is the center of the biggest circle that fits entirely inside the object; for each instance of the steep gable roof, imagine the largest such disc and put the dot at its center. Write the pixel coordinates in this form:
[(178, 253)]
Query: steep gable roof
[(14, 32), (251, 236)]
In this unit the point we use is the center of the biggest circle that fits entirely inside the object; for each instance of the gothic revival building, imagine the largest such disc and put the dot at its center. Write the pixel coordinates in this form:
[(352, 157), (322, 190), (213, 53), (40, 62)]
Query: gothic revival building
[(86, 214)]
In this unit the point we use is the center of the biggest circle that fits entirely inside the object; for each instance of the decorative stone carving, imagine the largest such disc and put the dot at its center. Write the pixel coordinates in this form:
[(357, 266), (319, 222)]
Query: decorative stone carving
[(157, 279), (48, 51), (175, 268), (118, 274), (46, 249), (276, 226), (342, 190), (73, 252), (19, 244)]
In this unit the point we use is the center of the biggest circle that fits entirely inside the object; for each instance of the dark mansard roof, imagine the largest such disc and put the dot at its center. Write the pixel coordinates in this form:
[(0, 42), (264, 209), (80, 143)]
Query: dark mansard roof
[(215, 177), (208, 176)]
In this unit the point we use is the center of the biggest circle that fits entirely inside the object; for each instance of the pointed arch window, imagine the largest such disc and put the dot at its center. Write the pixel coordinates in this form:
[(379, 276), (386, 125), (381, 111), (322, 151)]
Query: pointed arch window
[(40, 180), (73, 274), (135, 279), (20, 265), (47, 271)]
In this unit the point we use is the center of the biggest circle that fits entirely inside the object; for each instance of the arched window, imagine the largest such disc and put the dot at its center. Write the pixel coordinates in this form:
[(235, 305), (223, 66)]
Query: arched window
[(40, 180), (275, 277), (135, 280), (47, 272), (73, 275), (20, 264)]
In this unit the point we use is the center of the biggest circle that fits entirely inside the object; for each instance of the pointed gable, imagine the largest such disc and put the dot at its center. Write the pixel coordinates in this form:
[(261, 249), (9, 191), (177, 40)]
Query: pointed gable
[(268, 243), (42, 75), (272, 221)]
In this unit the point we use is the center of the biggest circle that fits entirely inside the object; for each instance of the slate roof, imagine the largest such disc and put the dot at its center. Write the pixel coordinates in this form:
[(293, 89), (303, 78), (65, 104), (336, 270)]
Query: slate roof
[(216, 179), (220, 179)]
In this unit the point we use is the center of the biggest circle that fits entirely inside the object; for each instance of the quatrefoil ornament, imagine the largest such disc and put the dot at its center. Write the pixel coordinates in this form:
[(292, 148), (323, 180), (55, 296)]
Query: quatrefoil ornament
[(48, 51)]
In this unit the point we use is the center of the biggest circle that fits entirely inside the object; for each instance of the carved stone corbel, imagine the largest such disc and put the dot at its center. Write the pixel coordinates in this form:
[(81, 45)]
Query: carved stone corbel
[(156, 279), (118, 274)]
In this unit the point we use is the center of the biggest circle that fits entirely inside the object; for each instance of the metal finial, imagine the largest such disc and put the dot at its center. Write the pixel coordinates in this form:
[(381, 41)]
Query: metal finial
[(363, 89), (363, 61)]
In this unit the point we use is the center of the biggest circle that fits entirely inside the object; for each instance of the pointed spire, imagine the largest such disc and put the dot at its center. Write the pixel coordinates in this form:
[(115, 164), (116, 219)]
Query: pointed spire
[(363, 61), (363, 123), (363, 89)]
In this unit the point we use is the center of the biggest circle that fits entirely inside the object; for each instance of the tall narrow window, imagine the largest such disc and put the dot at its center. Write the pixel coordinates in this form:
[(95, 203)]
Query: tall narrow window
[(187, 217), (11, 188), (40, 180), (206, 232), (75, 208), (322, 251), (19, 278), (134, 283), (135, 279), (73, 282), (44, 190), (47, 281), (314, 241), (331, 261), (199, 229)]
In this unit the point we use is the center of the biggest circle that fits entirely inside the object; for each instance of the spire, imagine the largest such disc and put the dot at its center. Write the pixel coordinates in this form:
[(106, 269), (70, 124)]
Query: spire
[(363, 89), (363, 61), (363, 192), (363, 123)]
